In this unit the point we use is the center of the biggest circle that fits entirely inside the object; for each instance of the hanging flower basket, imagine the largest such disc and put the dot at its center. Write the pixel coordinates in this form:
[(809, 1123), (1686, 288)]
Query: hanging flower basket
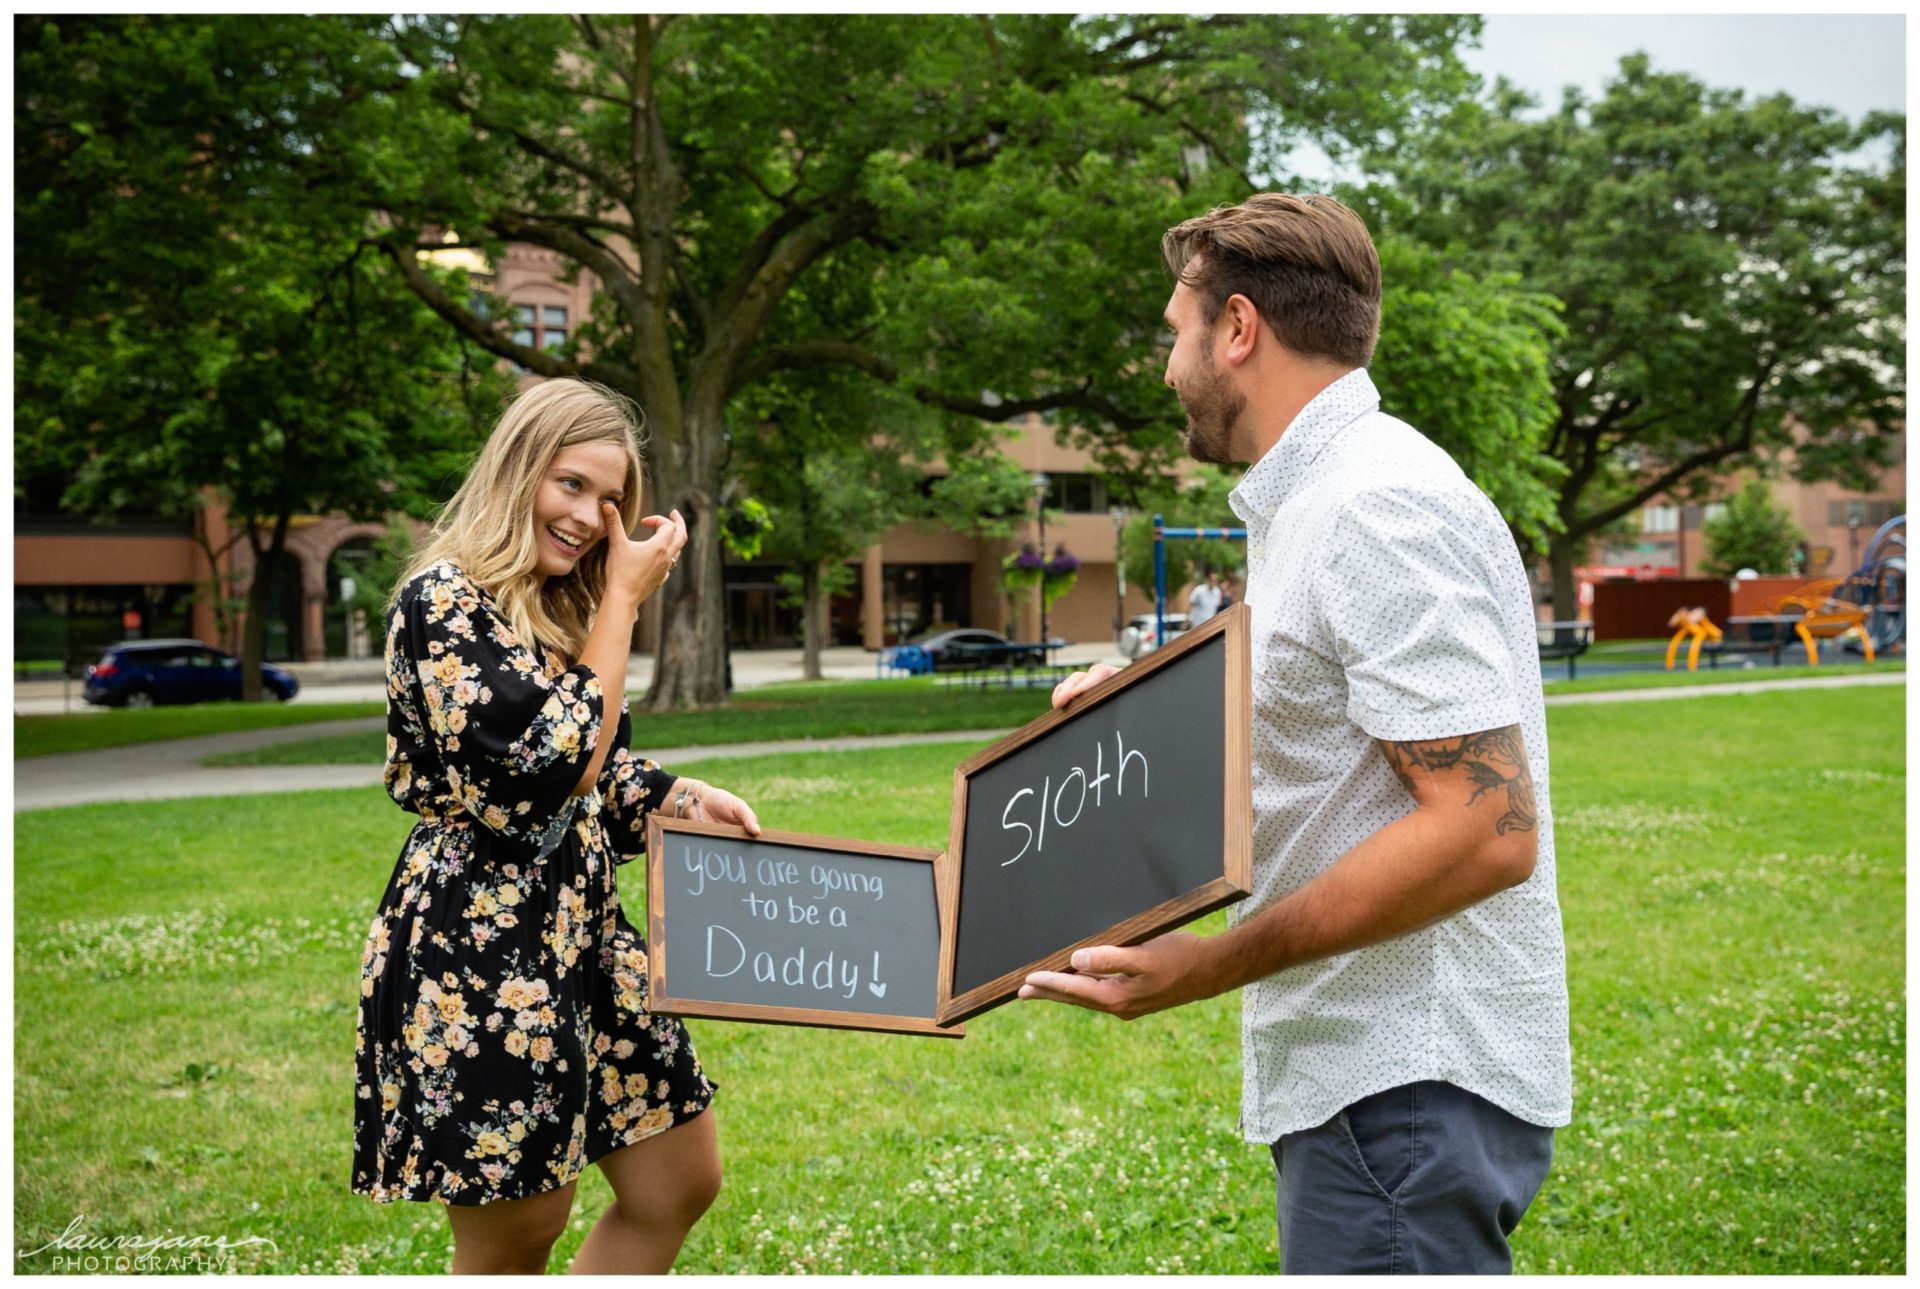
[(1023, 571), (1060, 573)]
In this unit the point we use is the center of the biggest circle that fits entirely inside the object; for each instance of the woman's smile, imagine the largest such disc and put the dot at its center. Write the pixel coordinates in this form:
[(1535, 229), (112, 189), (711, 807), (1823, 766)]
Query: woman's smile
[(571, 548)]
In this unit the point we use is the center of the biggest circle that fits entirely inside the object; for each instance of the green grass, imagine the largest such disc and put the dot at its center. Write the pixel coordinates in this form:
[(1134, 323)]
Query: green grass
[(1732, 879), (820, 709), (825, 710), (115, 727)]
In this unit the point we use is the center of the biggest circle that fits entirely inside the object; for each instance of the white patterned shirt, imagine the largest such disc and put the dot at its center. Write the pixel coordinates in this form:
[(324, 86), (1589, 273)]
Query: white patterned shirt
[(1388, 603)]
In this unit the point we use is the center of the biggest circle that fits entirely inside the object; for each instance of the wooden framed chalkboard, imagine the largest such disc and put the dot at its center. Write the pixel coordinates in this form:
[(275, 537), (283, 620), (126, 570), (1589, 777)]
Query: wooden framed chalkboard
[(792, 928), (1111, 822)]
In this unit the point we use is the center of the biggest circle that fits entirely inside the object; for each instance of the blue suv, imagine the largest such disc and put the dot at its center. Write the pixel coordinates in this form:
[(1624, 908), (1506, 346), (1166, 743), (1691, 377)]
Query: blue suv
[(142, 673)]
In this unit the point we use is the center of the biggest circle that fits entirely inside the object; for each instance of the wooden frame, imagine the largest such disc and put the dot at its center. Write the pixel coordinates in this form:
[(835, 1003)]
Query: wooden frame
[(659, 980), (1236, 879)]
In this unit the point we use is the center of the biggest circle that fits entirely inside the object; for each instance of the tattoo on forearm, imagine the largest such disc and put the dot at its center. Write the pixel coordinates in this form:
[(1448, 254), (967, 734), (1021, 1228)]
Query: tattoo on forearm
[(1495, 760)]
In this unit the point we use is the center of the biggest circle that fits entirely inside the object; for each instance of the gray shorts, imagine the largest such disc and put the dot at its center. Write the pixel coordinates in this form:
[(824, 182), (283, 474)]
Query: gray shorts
[(1422, 1179)]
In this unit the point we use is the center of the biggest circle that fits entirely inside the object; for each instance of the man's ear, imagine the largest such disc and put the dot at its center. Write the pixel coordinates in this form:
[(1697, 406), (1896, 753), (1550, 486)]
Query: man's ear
[(1242, 330)]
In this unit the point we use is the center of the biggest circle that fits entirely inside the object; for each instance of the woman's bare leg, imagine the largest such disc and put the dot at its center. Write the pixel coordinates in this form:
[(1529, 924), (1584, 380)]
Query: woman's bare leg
[(511, 1236), (661, 1186)]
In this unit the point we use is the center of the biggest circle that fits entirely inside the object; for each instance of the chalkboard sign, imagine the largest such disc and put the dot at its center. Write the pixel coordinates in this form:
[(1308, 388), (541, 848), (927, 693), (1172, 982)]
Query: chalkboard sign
[(791, 928), (1111, 822)]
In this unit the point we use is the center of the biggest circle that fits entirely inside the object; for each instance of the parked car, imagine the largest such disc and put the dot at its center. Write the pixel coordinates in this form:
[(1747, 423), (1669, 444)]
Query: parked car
[(143, 673), (952, 650), (1136, 638)]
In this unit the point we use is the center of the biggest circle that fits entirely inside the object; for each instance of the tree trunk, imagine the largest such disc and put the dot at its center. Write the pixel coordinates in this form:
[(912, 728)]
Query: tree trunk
[(690, 659), (810, 619), (253, 636), (1566, 597)]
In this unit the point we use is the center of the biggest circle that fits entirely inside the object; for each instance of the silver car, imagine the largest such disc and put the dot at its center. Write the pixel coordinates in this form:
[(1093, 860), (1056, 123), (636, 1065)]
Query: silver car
[(1136, 638)]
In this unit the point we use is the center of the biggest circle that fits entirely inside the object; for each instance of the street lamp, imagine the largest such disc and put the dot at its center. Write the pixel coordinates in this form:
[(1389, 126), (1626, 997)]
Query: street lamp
[(1040, 485)]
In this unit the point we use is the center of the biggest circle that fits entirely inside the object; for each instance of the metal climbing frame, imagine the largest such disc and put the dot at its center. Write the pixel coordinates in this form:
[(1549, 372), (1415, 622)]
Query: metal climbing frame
[(1161, 535)]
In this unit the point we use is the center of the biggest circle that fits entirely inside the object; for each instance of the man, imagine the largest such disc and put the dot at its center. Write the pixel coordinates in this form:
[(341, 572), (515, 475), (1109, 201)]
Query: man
[(1203, 601), (1405, 1009)]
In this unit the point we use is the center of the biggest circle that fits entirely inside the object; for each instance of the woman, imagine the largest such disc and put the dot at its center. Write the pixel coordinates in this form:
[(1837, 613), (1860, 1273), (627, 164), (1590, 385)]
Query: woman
[(504, 1041)]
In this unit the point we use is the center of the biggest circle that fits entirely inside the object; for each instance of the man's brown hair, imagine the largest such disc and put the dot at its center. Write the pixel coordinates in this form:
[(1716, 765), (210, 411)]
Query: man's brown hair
[(1306, 262)]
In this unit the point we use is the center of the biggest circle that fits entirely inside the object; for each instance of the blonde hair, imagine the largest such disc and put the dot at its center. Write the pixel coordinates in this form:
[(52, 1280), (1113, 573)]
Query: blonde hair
[(486, 527)]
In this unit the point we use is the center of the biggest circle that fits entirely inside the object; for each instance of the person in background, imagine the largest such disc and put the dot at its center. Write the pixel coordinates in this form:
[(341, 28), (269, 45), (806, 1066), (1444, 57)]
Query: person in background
[(1404, 1016), (1203, 601)]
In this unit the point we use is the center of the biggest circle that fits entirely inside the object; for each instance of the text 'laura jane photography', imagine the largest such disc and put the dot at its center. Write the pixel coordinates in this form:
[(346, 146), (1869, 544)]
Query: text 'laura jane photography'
[(76, 1250)]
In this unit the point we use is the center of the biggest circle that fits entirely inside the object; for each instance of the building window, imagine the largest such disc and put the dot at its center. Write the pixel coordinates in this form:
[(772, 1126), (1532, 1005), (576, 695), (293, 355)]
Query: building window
[(1867, 514), (1660, 519), (1076, 494), (540, 326)]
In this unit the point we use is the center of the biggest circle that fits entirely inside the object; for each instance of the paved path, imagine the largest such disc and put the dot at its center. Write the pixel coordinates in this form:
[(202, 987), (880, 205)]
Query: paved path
[(1731, 687), (163, 771)]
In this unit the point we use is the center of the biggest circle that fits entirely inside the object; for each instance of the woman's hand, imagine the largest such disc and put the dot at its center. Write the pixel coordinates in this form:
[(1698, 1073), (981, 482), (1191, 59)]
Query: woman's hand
[(636, 569), (711, 804)]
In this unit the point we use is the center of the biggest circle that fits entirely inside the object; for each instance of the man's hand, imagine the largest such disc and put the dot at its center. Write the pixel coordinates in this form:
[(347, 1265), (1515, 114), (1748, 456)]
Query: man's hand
[(1080, 682), (1129, 983)]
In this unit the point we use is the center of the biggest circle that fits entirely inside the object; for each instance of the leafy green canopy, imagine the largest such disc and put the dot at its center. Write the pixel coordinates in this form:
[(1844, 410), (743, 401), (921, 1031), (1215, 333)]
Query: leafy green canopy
[(963, 209), (1733, 274)]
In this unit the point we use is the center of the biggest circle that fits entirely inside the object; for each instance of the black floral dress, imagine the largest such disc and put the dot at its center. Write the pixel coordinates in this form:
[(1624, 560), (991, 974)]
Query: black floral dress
[(504, 1042)]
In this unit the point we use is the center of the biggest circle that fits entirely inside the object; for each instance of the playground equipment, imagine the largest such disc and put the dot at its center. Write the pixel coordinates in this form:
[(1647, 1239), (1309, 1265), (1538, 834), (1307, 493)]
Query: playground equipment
[(1869, 606), (1160, 536), (1692, 625), (1819, 613), (1875, 593)]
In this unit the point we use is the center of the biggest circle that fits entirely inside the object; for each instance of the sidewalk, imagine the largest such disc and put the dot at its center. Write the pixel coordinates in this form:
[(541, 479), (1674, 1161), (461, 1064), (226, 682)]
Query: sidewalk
[(169, 771), (163, 771)]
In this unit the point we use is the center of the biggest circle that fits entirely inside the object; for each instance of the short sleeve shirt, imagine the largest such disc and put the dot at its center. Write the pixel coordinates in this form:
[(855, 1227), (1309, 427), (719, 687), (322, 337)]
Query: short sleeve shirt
[(1203, 602), (1388, 603)]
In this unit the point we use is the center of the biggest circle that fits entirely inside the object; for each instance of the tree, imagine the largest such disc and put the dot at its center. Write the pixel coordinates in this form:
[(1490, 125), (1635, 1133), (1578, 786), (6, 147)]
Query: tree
[(1465, 360), (191, 316), (985, 194), (1733, 275), (829, 493), (1752, 533), (837, 461)]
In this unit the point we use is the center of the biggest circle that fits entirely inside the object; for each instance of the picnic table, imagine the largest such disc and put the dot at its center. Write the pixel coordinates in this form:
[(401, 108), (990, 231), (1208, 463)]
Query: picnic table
[(1766, 633), (997, 664), (1564, 640)]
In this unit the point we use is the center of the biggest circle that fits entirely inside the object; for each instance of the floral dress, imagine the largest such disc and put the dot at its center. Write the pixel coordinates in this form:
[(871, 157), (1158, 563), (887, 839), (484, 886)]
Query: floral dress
[(504, 1042)]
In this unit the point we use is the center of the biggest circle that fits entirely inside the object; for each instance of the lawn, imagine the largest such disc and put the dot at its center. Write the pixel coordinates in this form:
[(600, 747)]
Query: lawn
[(1732, 875), (801, 710), (117, 727), (821, 710)]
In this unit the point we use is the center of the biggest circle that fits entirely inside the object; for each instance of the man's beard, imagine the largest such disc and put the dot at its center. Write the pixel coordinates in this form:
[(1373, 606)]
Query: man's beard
[(1213, 408)]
